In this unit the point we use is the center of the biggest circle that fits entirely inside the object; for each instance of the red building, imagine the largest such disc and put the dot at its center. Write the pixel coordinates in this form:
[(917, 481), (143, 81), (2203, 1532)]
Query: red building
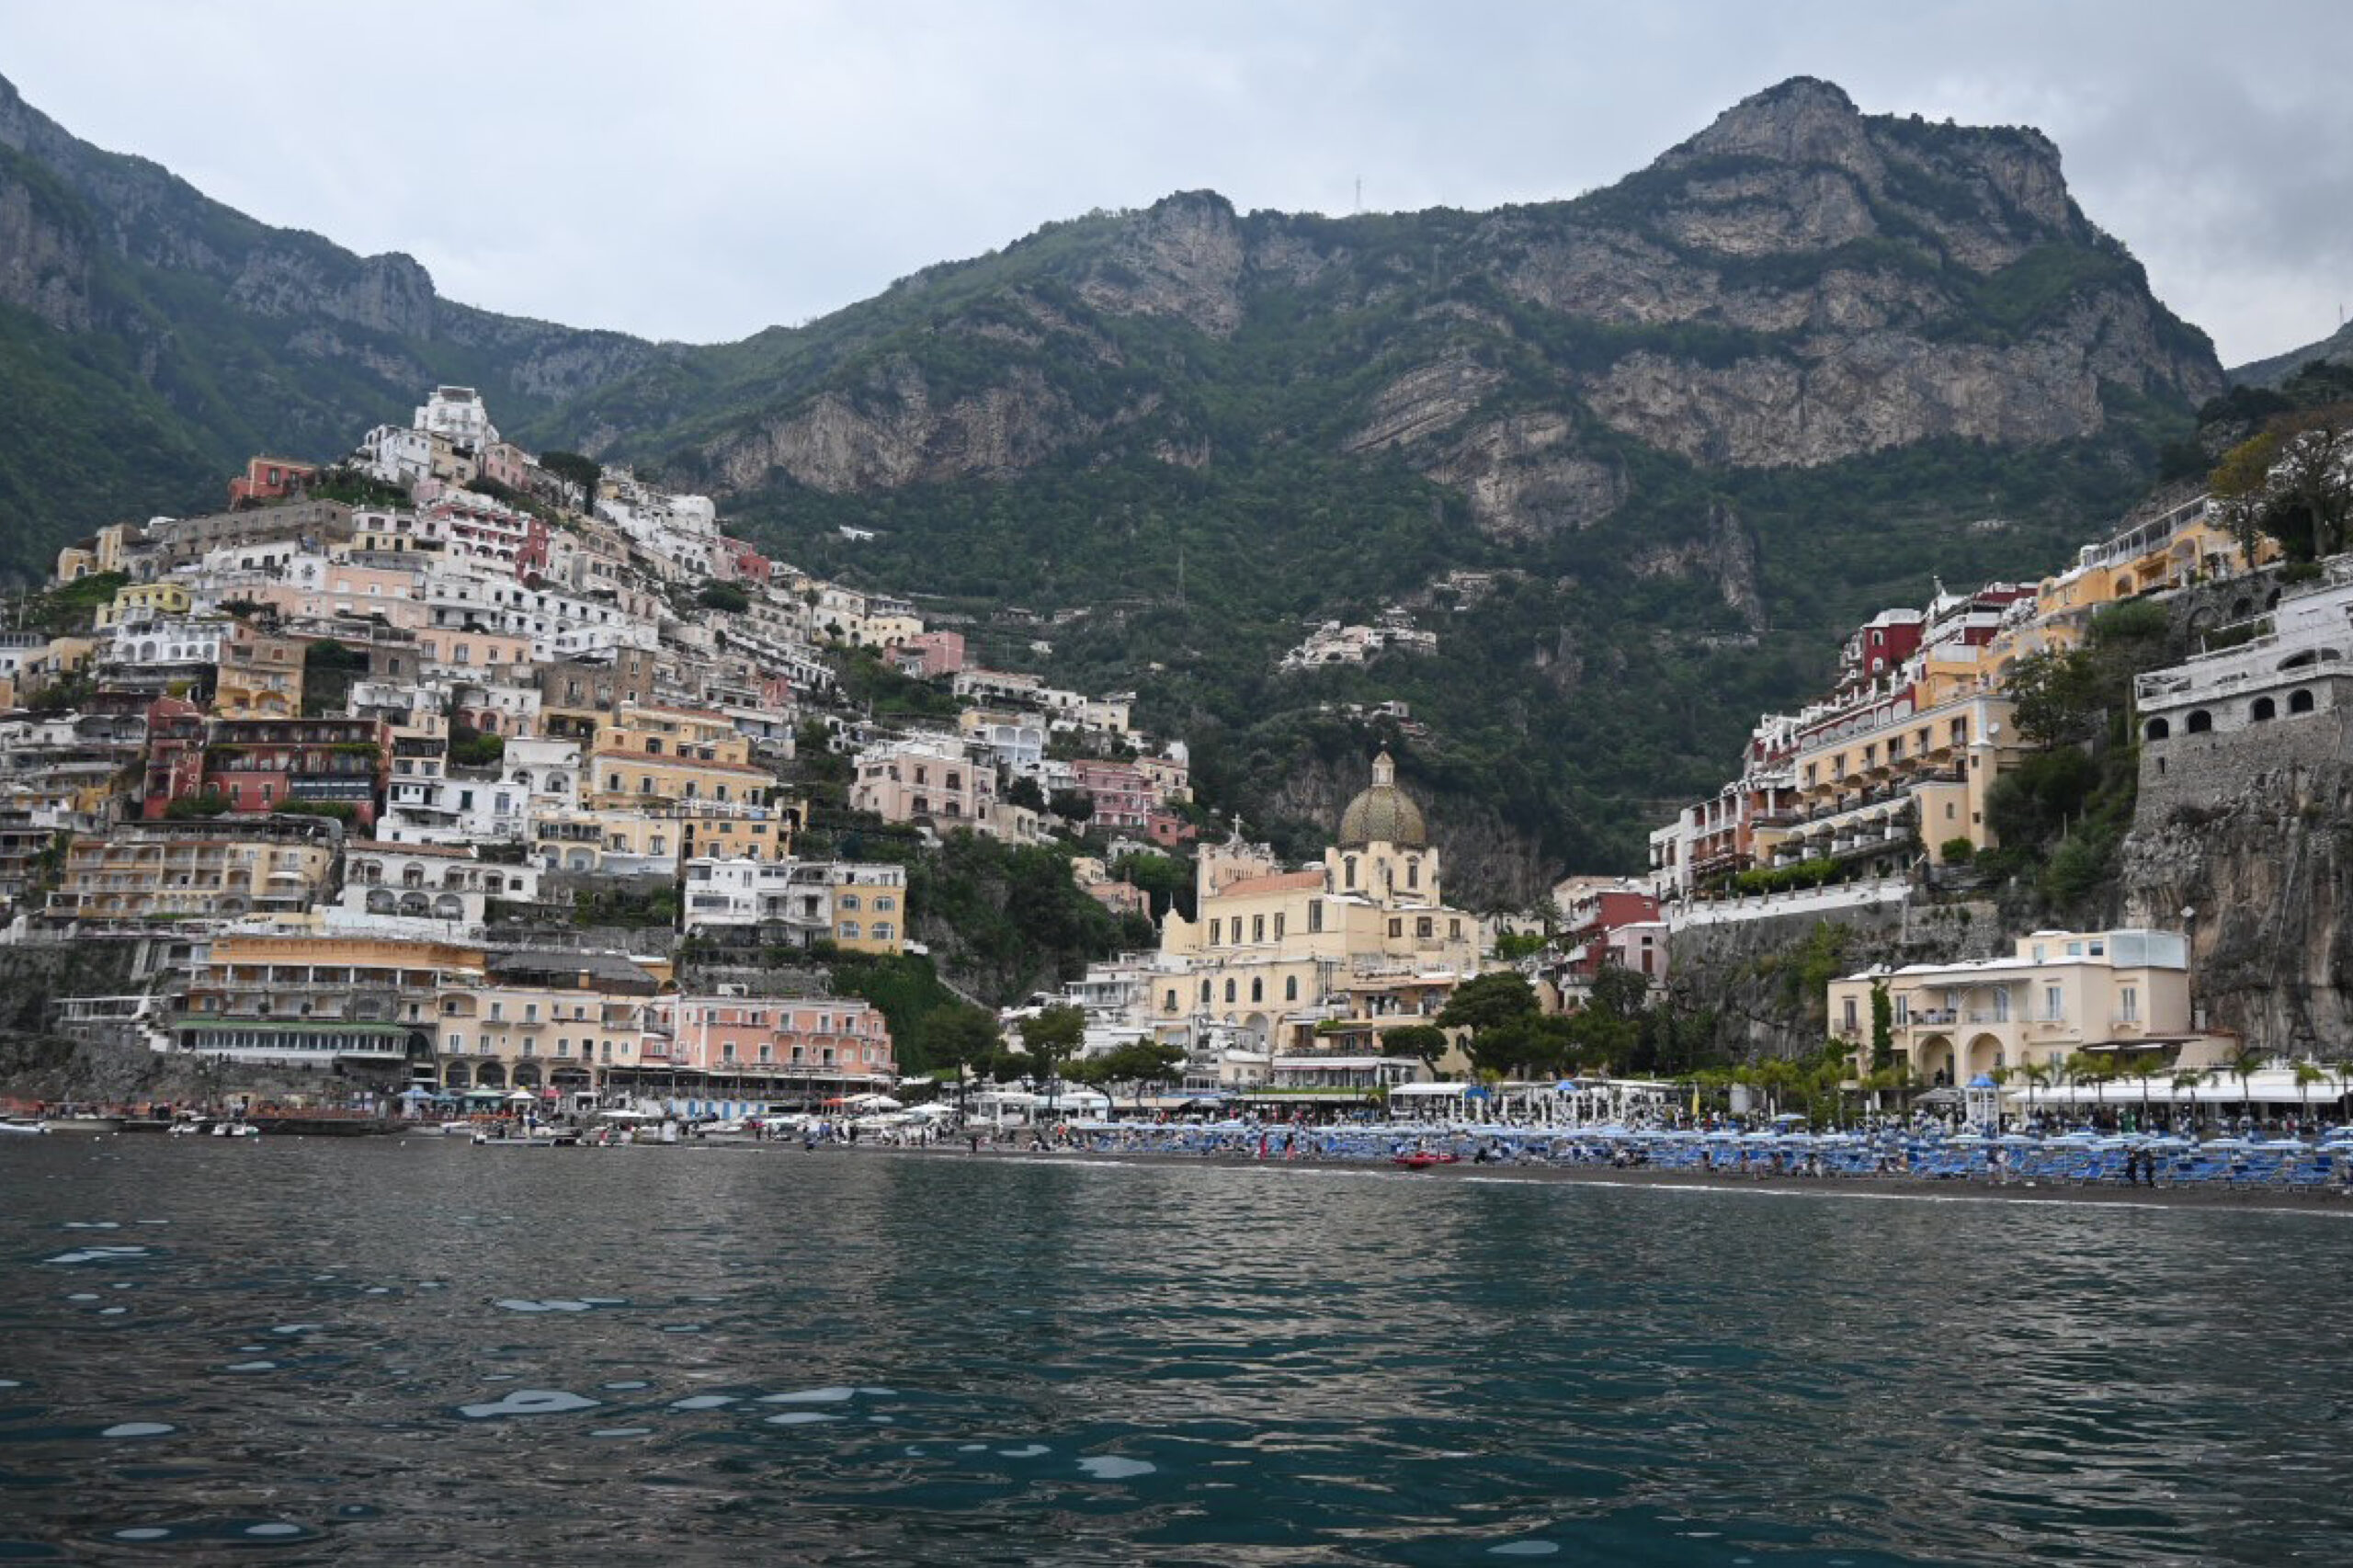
[(269, 479), (1168, 830), (258, 765), (174, 756)]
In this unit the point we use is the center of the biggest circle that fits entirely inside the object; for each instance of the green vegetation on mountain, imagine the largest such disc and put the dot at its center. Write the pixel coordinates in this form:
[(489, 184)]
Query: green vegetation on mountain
[(1690, 428)]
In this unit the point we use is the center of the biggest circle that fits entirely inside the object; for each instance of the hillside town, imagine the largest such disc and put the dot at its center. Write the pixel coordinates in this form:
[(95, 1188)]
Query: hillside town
[(448, 769), (422, 770)]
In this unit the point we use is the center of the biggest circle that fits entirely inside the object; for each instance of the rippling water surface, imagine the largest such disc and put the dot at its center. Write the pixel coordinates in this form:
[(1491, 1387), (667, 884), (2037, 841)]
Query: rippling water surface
[(313, 1350)]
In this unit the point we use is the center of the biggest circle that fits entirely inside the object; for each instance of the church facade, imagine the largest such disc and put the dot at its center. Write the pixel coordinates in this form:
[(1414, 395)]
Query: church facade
[(1321, 956)]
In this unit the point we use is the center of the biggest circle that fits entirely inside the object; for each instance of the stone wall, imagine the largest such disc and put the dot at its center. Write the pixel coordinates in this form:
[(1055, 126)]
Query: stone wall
[(2202, 771)]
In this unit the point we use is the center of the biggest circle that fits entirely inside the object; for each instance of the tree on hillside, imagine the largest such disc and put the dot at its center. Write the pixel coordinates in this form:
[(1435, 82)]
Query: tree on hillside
[(1049, 1039), (1141, 1062), (1424, 1042), (961, 1037), (2293, 481), (1488, 1001)]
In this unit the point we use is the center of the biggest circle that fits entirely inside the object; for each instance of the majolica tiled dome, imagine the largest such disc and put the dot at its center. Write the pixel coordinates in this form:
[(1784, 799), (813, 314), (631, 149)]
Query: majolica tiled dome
[(1384, 814)]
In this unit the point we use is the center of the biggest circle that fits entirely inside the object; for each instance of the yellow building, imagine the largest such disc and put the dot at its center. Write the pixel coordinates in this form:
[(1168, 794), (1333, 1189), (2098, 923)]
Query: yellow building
[(1871, 783), (545, 1020), (356, 1002), (870, 903), (1329, 955), (2061, 993), (647, 755), (137, 602), (260, 675), (174, 871)]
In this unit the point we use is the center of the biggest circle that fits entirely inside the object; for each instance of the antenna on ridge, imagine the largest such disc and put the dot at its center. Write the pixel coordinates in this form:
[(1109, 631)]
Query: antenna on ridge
[(1359, 213)]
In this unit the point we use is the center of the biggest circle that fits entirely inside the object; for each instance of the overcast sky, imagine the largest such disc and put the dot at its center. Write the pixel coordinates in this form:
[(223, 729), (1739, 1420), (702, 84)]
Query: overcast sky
[(699, 169)]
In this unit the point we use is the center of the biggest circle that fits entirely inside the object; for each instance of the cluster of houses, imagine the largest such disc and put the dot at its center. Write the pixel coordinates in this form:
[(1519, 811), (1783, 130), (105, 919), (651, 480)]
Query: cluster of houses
[(345, 763), (1863, 799)]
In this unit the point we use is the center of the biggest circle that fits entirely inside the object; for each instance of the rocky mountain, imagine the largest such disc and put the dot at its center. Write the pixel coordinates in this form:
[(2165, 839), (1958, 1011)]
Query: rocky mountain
[(1683, 430), (2336, 349), (152, 339)]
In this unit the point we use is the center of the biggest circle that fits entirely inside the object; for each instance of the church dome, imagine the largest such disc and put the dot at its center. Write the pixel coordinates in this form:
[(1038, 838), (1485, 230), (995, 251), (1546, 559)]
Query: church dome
[(1384, 814)]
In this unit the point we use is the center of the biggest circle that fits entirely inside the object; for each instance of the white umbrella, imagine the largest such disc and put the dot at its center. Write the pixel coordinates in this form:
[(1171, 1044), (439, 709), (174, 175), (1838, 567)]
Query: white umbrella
[(522, 1097)]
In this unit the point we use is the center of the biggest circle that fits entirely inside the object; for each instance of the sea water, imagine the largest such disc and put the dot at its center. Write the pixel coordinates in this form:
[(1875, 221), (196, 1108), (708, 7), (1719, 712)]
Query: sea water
[(372, 1349)]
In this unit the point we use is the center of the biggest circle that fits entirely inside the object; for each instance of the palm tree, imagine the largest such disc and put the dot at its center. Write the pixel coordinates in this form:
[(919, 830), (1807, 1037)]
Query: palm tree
[(2038, 1076), (2241, 1066), (2307, 1075), (2188, 1080), (2084, 1067), (2144, 1066)]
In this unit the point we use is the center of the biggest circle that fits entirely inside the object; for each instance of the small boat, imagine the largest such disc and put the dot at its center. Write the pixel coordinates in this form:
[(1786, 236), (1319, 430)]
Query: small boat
[(1424, 1161), (15, 1124), (235, 1130), (73, 1119)]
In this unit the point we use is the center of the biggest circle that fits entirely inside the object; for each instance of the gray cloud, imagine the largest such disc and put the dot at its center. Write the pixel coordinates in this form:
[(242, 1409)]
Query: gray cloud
[(709, 168)]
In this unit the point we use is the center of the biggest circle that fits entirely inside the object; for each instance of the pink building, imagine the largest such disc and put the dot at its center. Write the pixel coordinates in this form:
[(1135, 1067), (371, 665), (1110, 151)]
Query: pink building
[(1123, 797), (929, 654), (831, 1044)]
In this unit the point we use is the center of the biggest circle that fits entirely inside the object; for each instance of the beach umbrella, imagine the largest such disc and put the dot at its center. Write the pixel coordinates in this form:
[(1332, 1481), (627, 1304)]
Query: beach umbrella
[(522, 1097)]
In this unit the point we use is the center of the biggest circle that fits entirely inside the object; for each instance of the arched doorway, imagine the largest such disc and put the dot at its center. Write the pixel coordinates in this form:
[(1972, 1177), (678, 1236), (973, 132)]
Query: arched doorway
[(1985, 1056), (1932, 1060)]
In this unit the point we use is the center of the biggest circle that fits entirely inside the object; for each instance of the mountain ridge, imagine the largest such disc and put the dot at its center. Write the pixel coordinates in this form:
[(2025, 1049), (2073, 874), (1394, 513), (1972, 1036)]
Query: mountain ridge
[(1691, 425)]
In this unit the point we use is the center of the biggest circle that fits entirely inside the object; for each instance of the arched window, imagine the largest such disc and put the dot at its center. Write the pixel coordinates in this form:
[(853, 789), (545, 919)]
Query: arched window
[(1205, 992), (2158, 729), (2262, 707), (2299, 700), (1229, 988), (1290, 988), (2199, 723), (1257, 989)]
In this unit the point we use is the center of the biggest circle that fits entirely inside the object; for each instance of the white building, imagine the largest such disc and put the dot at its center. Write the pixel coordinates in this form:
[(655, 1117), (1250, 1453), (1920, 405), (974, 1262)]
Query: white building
[(395, 887), (459, 415)]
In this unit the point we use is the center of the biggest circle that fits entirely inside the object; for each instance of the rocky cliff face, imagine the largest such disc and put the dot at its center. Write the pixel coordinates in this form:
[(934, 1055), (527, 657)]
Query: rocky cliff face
[(233, 334), (1796, 285), (2267, 867)]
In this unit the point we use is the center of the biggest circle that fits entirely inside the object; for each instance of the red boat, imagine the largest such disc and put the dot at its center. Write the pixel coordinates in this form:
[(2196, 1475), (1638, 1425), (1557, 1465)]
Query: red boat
[(1425, 1161)]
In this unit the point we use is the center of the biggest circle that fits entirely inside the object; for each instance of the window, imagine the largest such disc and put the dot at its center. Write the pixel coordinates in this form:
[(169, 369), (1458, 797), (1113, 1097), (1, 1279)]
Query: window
[(1217, 932), (2002, 1004), (1396, 926), (2128, 1004), (1454, 930), (1257, 989), (849, 930), (1205, 992), (1348, 872), (1424, 927), (1168, 1003), (1258, 928), (849, 900), (881, 930), (1229, 988), (1290, 988), (1315, 917), (2054, 1005), (1413, 871), (1278, 927), (1903, 1010), (1849, 1015)]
